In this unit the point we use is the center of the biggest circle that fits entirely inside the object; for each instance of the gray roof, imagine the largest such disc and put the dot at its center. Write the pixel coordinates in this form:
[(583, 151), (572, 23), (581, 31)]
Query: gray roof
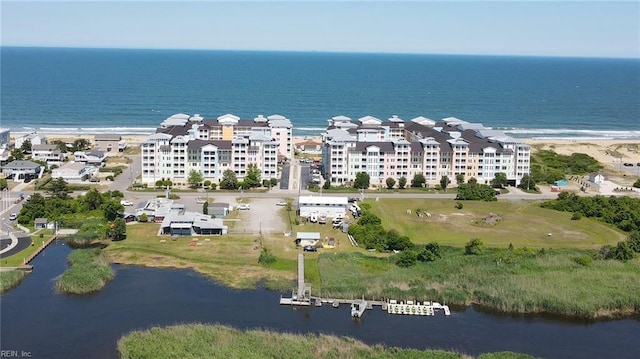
[(107, 137), (21, 165)]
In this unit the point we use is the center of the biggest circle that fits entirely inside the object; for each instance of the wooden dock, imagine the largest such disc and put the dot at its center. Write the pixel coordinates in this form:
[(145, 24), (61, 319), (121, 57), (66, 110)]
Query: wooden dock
[(302, 296), (27, 261)]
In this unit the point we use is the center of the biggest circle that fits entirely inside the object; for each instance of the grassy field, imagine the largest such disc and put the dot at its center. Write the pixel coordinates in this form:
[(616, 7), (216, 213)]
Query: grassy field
[(10, 279), (88, 272), (230, 259), (217, 341), (522, 223)]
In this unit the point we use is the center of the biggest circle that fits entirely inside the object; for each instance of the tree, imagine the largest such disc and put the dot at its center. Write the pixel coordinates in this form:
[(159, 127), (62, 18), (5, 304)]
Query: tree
[(444, 182), (326, 185), (59, 188), (205, 207), (459, 178), (634, 241), (80, 144), (636, 184), (402, 182), (527, 182), (472, 180), (252, 178), (418, 180), (111, 209), (390, 182), (362, 180), (143, 217), (118, 229), (473, 247), (16, 155), (207, 183), (93, 199), (195, 178), (26, 146), (229, 180), (429, 253), (500, 180), (3, 183)]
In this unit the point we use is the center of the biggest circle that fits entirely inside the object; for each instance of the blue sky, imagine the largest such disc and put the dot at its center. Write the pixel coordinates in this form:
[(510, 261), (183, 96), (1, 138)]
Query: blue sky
[(547, 28)]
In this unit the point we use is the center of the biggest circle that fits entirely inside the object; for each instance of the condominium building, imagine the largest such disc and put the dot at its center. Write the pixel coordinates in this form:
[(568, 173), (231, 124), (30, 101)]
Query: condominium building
[(183, 143), (396, 148)]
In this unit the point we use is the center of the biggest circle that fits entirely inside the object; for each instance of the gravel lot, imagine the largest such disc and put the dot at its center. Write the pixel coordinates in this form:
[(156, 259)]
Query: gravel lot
[(263, 214)]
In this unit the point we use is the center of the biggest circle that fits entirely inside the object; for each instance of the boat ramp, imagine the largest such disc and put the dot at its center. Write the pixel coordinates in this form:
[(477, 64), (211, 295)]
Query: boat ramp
[(301, 296)]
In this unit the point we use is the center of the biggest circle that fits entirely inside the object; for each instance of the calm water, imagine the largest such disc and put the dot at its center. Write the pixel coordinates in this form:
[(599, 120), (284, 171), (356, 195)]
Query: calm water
[(93, 90), (51, 325)]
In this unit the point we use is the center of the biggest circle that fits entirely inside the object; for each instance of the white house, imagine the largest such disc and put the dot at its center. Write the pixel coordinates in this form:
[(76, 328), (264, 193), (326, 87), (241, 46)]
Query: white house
[(47, 153), (33, 137), (331, 207), (94, 158), (72, 172)]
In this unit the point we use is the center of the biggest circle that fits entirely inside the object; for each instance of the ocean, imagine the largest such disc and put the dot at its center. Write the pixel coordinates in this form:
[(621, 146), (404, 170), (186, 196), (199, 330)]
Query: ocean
[(129, 91)]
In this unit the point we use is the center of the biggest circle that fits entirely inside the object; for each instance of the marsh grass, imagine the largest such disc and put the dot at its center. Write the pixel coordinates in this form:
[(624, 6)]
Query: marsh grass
[(532, 281), (88, 272), (217, 341), (10, 279)]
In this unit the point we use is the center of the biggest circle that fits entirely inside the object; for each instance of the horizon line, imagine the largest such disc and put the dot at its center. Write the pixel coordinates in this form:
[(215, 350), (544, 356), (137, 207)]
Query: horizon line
[(321, 52)]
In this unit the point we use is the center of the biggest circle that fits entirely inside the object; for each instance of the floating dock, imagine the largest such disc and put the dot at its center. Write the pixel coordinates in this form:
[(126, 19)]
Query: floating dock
[(302, 296)]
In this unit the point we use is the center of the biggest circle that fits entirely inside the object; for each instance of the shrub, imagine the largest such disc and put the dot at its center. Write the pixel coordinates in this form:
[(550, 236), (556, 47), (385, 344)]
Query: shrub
[(406, 259), (583, 260), (459, 205), (576, 216), (474, 247), (266, 256)]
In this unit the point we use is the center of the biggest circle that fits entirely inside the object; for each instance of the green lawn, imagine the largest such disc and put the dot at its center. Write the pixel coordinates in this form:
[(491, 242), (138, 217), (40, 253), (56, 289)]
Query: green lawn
[(522, 223)]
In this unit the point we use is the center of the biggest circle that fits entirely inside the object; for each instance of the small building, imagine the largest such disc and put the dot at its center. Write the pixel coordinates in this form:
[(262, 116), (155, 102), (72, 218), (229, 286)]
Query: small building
[(307, 239), (19, 170), (219, 209), (40, 223), (329, 206), (596, 178), (190, 223), (109, 143), (47, 153)]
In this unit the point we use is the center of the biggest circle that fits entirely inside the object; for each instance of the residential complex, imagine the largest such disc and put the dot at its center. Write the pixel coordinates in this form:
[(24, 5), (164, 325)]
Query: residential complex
[(396, 148), (183, 143)]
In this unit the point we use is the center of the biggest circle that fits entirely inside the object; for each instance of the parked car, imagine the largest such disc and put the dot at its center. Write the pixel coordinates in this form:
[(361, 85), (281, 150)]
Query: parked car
[(244, 206), (627, 164), (322, 219), (309, 249), (13, 216), (281, 203), (126, 203)]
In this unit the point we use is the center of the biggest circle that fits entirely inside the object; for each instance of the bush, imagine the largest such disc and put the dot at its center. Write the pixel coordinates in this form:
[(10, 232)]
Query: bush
[(266, 256), (576, 216), (459, 205), (583, 260), (474, 247), (406, 259)]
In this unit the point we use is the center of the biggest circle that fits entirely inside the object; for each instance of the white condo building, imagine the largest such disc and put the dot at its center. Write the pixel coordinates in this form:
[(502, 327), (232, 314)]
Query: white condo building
[(183, 143), (396, 148)]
